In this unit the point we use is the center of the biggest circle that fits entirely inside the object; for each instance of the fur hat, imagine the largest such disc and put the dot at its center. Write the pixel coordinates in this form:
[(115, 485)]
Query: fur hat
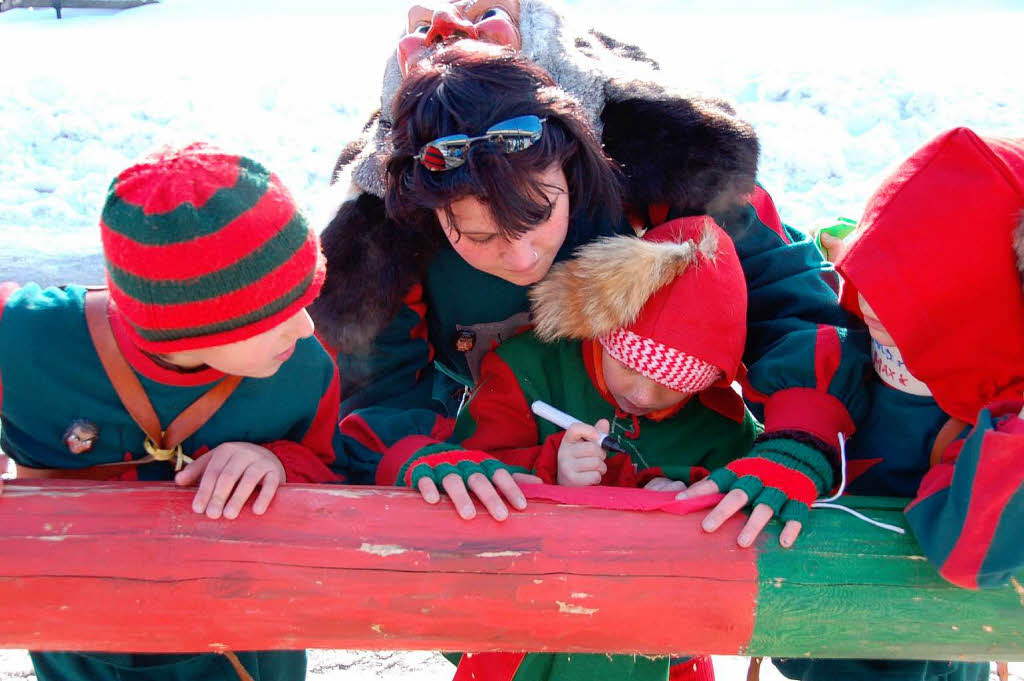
[(672, 305), (934, 257), (204, 248)]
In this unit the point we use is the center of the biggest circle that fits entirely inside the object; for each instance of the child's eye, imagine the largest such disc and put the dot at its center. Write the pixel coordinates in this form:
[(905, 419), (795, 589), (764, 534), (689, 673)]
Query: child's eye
[(420, 29), (495, 12), (481, 241)]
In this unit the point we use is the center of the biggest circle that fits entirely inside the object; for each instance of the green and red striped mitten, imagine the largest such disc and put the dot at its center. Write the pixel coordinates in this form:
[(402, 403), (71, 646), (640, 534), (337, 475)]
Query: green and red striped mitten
[(440, 460), (784, 474)]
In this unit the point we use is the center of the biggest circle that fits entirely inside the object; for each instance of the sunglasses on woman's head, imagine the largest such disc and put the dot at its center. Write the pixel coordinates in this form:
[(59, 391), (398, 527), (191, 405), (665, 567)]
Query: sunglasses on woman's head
[(512, 135)]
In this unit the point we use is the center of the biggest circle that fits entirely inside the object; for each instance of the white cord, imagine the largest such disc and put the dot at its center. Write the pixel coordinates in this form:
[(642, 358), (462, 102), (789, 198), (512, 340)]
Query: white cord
[(838, 507), (825, 503)]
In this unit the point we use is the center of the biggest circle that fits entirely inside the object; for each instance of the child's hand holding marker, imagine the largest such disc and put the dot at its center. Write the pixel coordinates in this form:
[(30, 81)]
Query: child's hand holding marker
[(580, 457), (581, 454)]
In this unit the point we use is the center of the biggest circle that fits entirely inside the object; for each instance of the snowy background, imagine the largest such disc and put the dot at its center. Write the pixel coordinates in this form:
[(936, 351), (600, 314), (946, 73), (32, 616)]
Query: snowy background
[(837, 94), (837, 91)]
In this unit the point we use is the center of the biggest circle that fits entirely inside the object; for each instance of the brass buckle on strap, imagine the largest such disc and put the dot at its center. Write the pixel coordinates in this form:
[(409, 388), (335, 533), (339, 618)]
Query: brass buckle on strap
[(179, 456)]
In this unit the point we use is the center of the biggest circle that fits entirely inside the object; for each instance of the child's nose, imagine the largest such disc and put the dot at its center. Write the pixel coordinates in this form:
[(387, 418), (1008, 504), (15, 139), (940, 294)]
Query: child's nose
[(448, 21)]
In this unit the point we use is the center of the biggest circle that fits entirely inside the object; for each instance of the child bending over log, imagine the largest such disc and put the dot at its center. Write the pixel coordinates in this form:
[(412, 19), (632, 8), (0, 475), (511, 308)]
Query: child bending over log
[(196, 364), (641, 338), (932, 272)]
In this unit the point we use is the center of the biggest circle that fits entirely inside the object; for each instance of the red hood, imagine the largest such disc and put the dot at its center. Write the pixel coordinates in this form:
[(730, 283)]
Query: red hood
[(934, 259)]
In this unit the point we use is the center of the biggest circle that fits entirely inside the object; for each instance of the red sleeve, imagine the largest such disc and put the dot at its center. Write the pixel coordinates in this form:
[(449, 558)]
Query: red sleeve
[(312, 458), (498, 420), (967, 511)]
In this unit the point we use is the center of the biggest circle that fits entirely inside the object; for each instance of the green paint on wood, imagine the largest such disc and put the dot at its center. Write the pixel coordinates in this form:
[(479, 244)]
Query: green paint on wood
[(849, 589)]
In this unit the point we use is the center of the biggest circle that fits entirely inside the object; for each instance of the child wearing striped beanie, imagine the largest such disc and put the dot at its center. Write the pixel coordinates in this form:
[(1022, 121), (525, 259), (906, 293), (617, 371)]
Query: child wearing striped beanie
[(196, 363)]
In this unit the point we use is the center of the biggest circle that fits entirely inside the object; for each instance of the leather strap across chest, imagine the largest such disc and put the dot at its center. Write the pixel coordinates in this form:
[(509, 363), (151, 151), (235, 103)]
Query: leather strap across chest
[(160, 444), (133, 396)]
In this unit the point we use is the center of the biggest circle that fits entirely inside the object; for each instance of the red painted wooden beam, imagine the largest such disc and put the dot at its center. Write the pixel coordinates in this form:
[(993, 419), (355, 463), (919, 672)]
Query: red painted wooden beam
[(129, 567)]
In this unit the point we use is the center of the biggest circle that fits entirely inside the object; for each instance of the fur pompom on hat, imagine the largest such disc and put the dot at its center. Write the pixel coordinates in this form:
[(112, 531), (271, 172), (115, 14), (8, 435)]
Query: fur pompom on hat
[(934, 256), (204, 248), (672, 305)]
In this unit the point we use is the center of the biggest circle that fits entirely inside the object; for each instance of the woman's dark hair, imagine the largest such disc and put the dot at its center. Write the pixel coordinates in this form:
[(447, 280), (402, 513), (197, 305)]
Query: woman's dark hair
[(455, 90)]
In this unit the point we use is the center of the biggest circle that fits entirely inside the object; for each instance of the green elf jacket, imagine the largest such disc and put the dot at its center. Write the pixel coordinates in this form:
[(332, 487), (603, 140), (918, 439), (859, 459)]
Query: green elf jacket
[(681, 443), (51, 376), (804, 371)]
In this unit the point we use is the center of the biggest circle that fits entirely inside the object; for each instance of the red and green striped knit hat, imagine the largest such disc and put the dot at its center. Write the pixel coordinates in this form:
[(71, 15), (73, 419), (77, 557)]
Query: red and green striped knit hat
[(204, 248)]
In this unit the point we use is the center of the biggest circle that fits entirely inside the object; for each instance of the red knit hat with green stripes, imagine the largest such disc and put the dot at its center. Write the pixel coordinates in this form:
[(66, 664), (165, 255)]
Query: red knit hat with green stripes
[(204, 248)]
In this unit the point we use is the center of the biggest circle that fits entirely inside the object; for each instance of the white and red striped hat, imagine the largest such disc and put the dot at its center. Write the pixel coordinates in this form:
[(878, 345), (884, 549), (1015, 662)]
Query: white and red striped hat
[(671, 306)]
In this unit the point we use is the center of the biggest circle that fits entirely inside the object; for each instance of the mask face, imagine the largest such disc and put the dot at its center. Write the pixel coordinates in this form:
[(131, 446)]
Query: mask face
[(489, 21)]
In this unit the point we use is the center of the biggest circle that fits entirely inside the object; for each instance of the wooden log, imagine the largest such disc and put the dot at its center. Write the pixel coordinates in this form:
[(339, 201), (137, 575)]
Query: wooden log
[(129, 567)]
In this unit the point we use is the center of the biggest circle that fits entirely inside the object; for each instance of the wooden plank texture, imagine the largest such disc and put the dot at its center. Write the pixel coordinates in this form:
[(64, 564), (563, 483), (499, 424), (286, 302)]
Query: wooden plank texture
[(129, 567)]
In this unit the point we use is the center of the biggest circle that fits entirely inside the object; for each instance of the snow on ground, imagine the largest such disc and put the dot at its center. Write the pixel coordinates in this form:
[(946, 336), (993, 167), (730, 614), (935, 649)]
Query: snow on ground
[(838, 93), (349, 665), (837, 96)]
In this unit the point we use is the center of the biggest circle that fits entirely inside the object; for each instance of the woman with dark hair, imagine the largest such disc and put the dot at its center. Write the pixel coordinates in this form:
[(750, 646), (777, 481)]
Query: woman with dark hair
[(494, 174), (504, 195)]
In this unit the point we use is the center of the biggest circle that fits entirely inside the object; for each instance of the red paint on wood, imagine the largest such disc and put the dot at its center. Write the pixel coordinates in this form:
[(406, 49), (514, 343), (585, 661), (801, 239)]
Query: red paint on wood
[(128, 566)]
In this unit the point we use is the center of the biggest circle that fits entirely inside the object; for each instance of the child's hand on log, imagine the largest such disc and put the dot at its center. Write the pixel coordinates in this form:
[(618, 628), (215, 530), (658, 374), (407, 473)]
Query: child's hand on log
[(228, 475), (780, 477), (665, 485), (580, 457), (462, 474)]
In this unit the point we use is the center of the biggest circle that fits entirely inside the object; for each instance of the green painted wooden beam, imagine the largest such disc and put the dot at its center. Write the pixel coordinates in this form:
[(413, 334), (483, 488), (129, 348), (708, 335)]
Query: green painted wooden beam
[(848, 589)]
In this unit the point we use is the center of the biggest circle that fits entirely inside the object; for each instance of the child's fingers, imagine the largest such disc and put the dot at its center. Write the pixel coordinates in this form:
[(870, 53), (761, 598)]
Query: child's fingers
[(214, 464), (245, 487), (665, 485), (192, 472), (526, 479), (428, 490), (726, 508), (580, 432), (759, 517), (699, 489), (587, 478), (590, 463), (834, 246), (227, 478), (602, 426), (480, 486), (790, 531), (455, 488), (268, 488), (509, 489)]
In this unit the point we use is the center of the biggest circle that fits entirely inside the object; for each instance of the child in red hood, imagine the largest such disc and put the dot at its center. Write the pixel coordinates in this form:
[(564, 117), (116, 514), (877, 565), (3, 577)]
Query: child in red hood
[(642, 337), (933, 274)]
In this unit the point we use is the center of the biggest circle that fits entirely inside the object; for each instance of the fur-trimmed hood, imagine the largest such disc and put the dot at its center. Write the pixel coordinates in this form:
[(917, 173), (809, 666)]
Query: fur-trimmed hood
[(691, 152), (933, 258), (680, 286)]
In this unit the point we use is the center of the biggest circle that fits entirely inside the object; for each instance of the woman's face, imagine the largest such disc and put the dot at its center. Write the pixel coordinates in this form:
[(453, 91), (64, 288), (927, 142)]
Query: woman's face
[(489, 21), (523, 261)]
